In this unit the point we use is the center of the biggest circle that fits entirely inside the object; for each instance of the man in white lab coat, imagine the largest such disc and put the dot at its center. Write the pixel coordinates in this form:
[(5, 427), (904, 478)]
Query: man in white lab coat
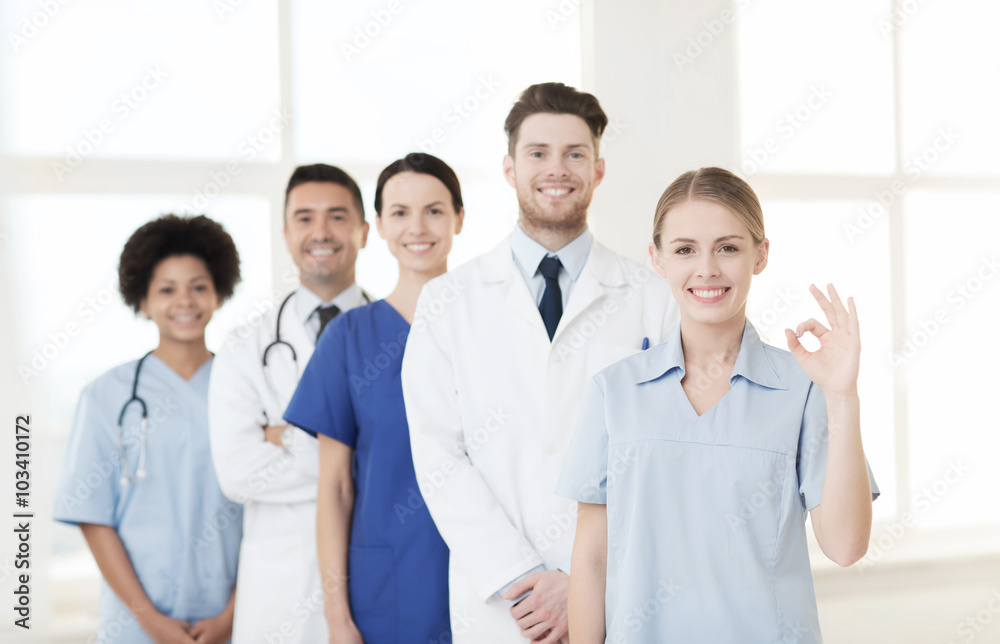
[(267, 465), (495, 371)]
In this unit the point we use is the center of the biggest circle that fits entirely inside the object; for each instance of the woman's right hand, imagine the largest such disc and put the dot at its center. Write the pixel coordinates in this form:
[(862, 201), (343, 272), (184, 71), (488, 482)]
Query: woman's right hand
[(346, 633), (167, 630)]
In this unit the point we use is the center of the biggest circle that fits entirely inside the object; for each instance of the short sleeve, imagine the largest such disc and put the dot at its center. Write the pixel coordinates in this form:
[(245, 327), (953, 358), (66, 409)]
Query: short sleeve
[(813, 441), (584, 475), (322, 402), (90, 486)]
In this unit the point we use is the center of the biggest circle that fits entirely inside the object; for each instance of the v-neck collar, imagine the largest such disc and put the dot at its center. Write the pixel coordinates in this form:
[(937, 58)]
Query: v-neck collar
[(394, 312), (196, 377), (695, 415)]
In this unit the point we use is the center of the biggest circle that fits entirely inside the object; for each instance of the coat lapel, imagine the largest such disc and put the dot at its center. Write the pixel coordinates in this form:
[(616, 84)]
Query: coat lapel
[(498, 268), (601, 271)]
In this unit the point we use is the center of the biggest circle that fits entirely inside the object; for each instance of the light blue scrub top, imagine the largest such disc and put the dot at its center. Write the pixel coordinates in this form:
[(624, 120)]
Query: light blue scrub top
[(181, 534), (706, 514)]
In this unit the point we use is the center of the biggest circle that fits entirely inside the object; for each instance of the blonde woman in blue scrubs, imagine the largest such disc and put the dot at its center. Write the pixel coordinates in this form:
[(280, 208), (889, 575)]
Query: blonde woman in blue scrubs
[(696, 461)]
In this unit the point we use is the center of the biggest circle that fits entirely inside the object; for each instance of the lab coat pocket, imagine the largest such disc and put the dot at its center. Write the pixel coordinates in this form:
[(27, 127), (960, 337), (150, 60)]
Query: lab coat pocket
[(373, 593)]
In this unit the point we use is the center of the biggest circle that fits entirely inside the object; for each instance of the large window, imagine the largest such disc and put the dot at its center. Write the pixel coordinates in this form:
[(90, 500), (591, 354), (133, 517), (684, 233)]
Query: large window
[(873, 144), (868, 129), (115, 112)]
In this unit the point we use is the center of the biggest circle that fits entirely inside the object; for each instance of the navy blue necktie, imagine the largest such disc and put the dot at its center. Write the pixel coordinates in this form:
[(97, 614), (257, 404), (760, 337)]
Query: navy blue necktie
[(551, 307), (326, 313)]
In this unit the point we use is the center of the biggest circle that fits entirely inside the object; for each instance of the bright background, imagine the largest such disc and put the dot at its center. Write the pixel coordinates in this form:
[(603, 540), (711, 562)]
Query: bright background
[(868, 129)]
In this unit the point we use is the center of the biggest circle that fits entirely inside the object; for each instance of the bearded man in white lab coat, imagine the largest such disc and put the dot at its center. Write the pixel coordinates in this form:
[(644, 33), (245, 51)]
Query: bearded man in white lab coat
[(269, 466), (496, 367)]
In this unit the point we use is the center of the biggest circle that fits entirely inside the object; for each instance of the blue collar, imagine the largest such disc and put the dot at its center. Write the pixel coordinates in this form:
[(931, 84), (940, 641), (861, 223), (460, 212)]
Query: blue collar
[(528, 253), (752, 363)]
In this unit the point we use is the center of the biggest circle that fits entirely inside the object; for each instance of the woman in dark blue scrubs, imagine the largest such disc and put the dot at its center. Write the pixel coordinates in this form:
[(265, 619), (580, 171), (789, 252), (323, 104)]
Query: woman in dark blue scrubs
[(374, 530)]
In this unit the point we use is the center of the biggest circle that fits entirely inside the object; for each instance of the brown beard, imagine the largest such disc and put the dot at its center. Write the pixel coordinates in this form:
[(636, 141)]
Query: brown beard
[(573, 219)]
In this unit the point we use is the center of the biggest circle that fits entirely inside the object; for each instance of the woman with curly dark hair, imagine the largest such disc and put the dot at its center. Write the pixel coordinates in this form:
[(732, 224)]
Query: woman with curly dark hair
[(138, 477)]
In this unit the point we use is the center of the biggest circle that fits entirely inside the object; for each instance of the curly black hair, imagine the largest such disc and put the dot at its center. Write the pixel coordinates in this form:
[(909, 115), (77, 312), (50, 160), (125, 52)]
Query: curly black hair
[(170, 236)]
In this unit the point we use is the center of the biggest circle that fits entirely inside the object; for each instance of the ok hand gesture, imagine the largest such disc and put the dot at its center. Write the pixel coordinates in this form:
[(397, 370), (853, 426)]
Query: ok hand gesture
[(834, 366)]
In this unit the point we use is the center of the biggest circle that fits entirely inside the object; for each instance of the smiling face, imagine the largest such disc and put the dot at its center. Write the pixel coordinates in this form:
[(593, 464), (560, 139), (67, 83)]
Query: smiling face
[(418, 220), (555, 170), (709, 257), (181, 299), (323, 233)]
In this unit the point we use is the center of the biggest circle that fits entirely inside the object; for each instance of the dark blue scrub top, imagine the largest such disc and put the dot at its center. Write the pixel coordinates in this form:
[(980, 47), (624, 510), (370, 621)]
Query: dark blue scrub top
[(351, 391)]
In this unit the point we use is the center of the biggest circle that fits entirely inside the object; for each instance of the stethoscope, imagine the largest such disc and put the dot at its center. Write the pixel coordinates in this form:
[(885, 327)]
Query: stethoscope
[(279, 342), (140, 472)]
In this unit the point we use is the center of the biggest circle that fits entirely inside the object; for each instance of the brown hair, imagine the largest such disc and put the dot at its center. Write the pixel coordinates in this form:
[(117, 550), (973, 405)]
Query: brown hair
[(424, 164), (712, 184), (555, 98), (323, 173)]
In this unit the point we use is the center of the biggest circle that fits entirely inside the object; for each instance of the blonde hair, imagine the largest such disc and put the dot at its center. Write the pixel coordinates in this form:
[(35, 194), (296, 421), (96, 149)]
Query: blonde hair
[(712, 184)]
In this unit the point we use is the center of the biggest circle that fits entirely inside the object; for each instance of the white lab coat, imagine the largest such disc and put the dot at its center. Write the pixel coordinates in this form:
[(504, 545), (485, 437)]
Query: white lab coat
[(492, 406), (278, 593)]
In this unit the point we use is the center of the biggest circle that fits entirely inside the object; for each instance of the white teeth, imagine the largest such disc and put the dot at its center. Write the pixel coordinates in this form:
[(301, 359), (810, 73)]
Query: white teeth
[(322, 252), (418, 247), (709, 294), (184, 318), (555, 192)]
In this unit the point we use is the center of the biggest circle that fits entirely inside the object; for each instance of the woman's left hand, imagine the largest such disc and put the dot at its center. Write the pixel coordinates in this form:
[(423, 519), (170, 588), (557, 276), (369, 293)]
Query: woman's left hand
[(214, 630), (834, 366)]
